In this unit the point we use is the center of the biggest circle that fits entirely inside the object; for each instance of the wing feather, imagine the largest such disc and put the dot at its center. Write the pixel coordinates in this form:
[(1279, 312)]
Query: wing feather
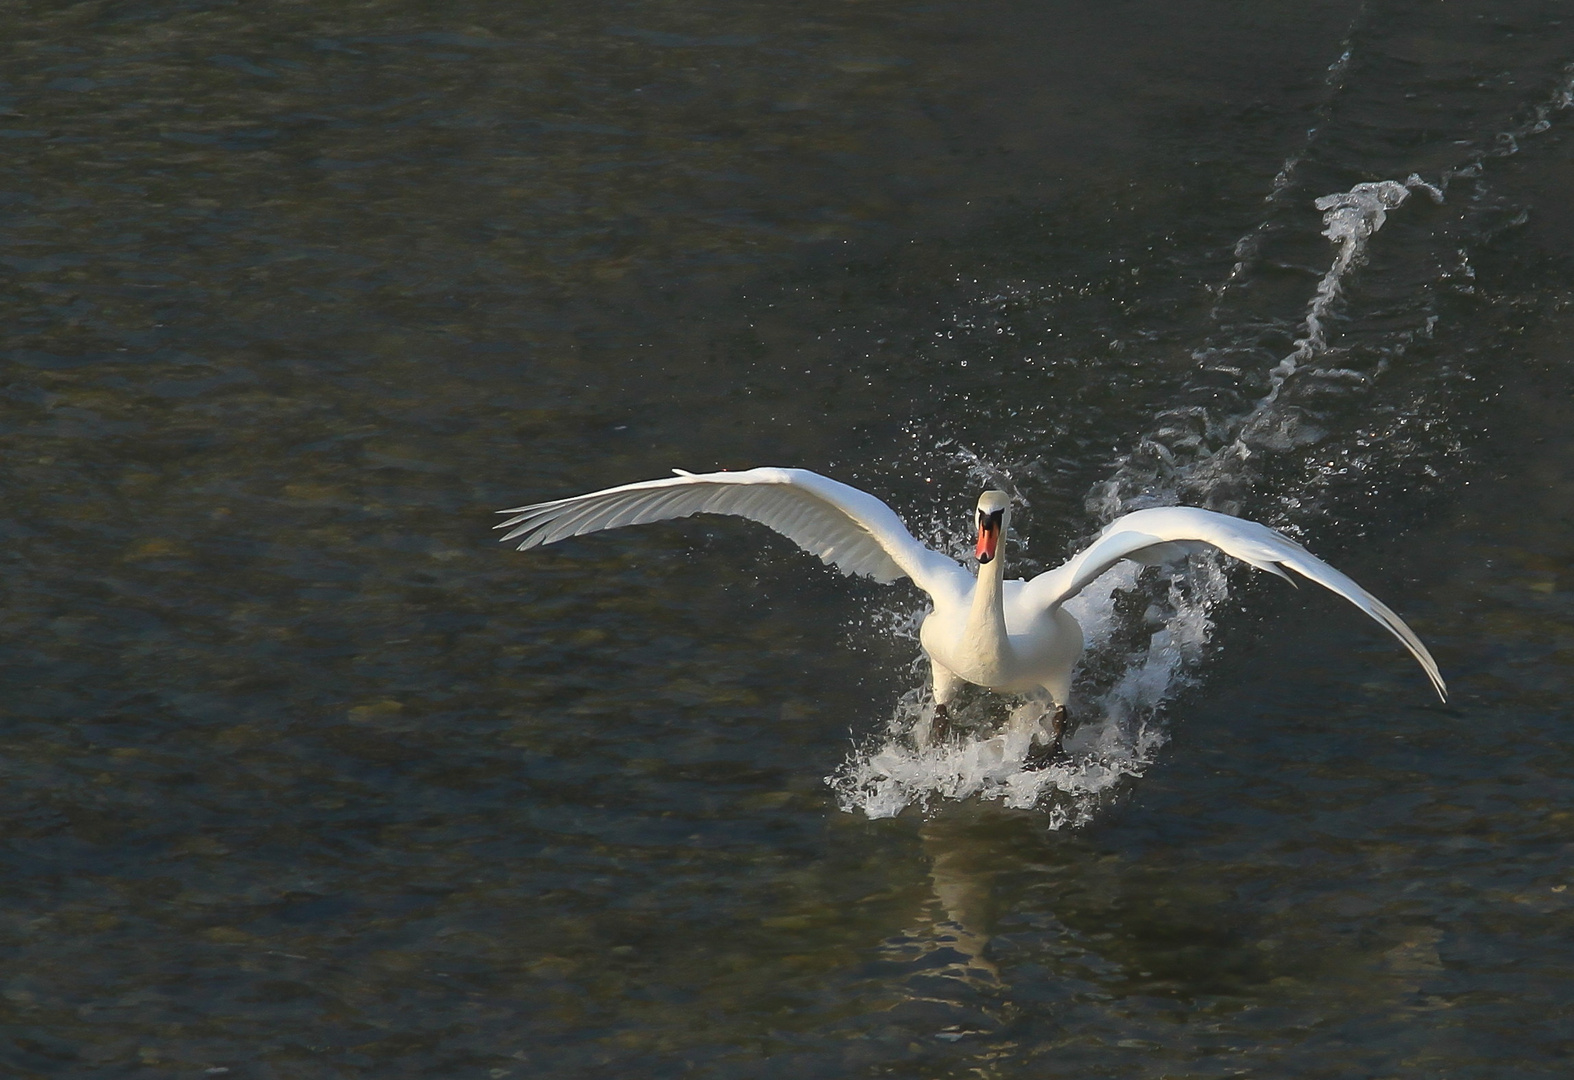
[(1163, 533), (847, 528)]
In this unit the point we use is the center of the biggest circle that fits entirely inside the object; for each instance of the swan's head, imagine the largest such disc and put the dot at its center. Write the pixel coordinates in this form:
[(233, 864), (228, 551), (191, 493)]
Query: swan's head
[(994, 512)]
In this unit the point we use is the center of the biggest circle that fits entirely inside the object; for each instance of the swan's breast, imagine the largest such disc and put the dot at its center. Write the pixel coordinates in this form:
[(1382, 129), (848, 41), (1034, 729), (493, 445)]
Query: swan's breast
[(1044, 641)]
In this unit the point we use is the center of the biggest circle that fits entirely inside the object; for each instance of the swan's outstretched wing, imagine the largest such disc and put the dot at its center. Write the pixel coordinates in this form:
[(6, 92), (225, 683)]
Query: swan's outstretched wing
[(1165, 532), (848, 528)]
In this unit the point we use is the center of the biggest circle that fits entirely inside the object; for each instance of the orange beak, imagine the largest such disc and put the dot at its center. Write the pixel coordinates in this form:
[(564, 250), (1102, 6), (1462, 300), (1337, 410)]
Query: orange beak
[(988, 538)]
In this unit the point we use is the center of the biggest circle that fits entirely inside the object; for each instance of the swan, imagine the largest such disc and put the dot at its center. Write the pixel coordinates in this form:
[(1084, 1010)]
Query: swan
[(1009, 636)]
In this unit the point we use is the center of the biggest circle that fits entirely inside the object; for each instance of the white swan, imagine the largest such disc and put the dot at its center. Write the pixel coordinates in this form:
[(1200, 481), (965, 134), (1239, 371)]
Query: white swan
[(1008, 636)]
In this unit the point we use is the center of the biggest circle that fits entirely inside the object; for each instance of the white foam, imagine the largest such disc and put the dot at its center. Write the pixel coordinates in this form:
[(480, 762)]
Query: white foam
[(1118, 736), (884, 779)]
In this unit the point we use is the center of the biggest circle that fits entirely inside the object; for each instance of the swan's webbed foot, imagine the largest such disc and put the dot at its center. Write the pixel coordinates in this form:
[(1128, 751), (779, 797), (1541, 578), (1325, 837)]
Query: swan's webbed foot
[(1041, 754)]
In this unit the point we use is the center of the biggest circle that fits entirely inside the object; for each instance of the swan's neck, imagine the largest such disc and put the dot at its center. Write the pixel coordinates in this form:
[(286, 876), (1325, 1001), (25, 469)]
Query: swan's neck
[(986, 623)]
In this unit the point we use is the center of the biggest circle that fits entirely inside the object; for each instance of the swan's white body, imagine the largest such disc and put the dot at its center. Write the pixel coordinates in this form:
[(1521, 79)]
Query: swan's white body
[(1009, 636)]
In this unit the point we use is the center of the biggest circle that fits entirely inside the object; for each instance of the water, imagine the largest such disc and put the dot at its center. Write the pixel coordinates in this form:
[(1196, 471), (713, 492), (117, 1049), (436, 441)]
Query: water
[(306, 778)]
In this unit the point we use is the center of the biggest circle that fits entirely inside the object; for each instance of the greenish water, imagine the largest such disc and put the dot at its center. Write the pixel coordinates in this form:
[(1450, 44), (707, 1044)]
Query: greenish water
[(302, 776)]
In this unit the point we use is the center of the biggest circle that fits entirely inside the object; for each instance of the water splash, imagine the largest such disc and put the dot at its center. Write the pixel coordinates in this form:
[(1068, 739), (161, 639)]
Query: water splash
[(886, 778), (1119, 738)]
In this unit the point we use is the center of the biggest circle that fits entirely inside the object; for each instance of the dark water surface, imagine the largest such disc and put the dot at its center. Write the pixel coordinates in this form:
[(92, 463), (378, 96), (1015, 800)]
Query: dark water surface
[(304, 777)]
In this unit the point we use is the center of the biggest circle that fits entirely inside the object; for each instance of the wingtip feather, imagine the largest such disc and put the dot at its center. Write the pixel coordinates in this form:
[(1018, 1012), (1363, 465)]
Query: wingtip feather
[(1282, 570)]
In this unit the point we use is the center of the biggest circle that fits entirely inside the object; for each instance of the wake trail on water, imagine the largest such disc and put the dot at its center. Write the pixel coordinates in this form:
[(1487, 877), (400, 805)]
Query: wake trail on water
[(1137, 661), (1248, 247)]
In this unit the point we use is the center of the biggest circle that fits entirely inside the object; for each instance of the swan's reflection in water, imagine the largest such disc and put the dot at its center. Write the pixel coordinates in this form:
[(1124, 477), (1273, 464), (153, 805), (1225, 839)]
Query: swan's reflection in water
[(950, 982), (1087, 943)]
